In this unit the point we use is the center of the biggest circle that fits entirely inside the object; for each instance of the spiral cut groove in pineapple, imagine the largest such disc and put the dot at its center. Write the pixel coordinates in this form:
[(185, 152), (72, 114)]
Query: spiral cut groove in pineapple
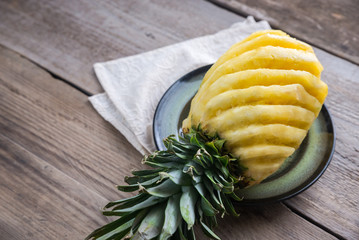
[(261, 96)]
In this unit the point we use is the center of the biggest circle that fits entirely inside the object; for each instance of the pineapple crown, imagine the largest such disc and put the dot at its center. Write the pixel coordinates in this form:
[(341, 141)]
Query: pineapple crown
[(191, 182)]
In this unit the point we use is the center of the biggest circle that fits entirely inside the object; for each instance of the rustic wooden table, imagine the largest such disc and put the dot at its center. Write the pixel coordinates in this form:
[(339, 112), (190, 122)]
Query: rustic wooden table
[(59, 160)]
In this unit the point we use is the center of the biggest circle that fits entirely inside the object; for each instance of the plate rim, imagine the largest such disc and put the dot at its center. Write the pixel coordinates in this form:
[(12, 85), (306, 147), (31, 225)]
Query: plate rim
[(184, 77), (278, 198)]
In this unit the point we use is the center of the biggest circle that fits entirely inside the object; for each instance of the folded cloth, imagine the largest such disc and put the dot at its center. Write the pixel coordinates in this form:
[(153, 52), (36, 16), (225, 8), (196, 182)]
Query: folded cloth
[(134, 85)]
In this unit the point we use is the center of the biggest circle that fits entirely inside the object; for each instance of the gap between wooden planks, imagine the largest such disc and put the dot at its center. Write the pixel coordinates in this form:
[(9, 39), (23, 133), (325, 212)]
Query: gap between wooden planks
[(60, 162), (37, 201), (330, 25), (67, 37)]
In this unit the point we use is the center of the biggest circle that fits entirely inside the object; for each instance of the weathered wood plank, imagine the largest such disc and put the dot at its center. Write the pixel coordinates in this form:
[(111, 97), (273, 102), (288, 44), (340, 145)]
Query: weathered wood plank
[(76, 148), (57, 123), (329, 25), (68, 37), (37, 201), (261, 219)]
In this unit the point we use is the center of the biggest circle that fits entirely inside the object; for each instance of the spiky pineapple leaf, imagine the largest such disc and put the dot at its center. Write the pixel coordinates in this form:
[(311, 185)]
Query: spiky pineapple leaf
[(206, 229), (179, 177), (167, 165), (140, 179), (187, 205), (235, 197), (111, 226), (138, 220), (164, 190), (219, 144), (206, 206), (134, 198), (210, 175), (136, 186), (146, 203), (172, 217), (229, 206), (211, 147), (132, 202), (119, 232), (151, 225), (192, 181), (181, 233), (146, 172)]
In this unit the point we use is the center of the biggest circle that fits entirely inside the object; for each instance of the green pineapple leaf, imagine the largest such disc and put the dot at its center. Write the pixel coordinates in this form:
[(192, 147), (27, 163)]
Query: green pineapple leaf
[(191, 182)]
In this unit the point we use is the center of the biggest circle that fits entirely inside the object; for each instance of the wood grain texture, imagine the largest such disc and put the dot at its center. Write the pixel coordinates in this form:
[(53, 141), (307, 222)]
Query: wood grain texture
[(57, 123), (330, 25), (38, 201), (68, 37), (60, 157), (59, 161), (261, 219)]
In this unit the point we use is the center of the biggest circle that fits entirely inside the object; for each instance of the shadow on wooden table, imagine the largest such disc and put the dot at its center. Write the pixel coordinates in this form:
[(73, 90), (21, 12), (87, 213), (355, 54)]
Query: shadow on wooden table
[(262, 222)]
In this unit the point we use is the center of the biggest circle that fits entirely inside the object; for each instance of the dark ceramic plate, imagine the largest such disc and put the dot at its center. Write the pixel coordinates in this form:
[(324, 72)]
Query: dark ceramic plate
[(298, 172)]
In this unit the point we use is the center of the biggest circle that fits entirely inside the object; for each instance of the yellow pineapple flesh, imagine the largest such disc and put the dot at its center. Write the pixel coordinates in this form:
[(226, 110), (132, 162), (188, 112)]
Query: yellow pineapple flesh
[(261, 96)]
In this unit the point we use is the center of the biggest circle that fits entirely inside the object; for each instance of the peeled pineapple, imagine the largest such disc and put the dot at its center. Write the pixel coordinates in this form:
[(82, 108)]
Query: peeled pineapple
[(254, 107), (261, 96)]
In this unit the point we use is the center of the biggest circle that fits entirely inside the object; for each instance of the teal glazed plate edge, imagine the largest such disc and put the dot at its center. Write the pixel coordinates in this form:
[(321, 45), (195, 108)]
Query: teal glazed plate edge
[(300, 171)]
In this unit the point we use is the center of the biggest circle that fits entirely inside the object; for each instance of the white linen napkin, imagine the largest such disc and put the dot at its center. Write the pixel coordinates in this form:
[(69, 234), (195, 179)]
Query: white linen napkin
[(134, 85)]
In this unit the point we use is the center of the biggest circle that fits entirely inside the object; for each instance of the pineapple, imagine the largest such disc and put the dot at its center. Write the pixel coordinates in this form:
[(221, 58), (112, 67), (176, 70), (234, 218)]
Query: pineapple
[(253, 109), (261, 96)]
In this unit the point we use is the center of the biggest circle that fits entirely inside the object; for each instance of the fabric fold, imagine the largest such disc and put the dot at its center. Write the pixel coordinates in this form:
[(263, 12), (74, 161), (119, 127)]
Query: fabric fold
[(134, 85)]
